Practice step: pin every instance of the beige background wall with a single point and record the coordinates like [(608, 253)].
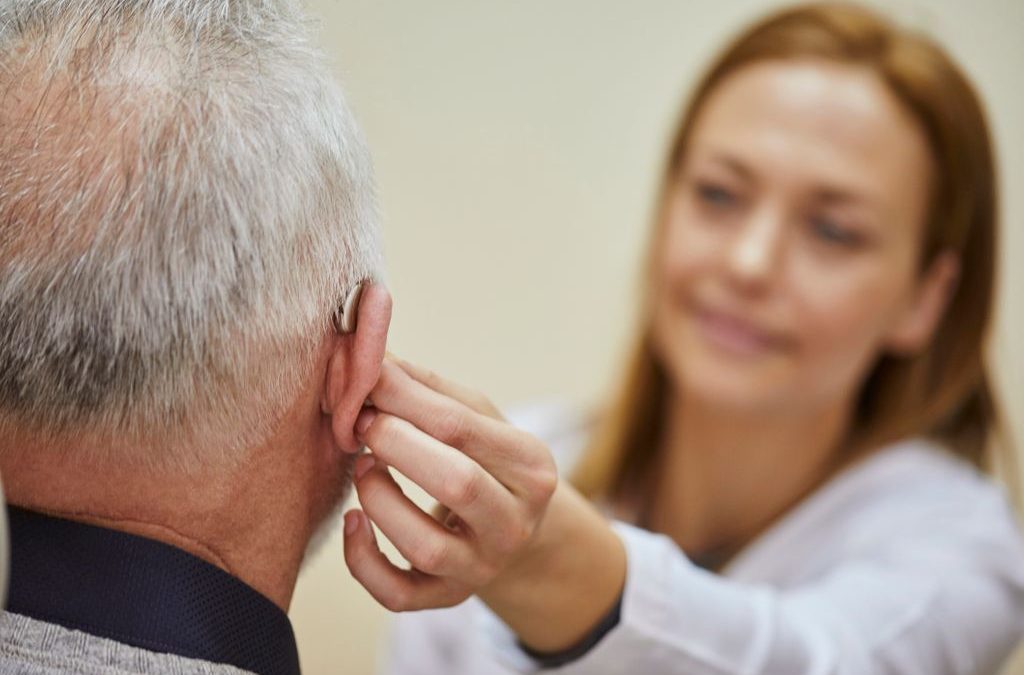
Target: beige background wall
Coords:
[(517, 145)]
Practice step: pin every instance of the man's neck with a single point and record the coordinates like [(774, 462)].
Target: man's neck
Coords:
[(725, 476), (253, 519)]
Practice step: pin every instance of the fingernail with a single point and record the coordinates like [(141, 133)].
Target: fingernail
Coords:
[(364, 420), (351, 522), (363, 464)]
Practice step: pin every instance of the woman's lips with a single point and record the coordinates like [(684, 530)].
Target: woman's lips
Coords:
[(733, 334)]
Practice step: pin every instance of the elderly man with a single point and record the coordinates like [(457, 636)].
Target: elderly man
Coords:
[(184, 202)]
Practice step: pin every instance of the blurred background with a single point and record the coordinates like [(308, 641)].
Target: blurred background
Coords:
[(517, 147)]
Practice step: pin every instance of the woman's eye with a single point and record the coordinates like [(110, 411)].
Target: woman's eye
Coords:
[(716, 195), (831, 232)]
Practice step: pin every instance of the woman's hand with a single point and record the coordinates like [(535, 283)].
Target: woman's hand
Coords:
[(541, 556), (493, 481)]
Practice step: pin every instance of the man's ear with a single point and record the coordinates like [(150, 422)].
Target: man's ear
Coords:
[(921, 318), (354, 366)]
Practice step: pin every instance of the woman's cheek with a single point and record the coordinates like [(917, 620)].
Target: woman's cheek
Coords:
[(688, 251), (842, 328)]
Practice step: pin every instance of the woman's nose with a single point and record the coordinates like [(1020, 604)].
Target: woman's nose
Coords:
[(756, 250)]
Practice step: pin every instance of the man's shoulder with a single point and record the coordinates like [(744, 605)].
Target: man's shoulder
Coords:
[(32, 647)]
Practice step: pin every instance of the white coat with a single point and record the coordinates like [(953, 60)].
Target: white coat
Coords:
[(908, 562)]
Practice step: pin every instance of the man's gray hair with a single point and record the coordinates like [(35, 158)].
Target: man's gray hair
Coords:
[(184, 198)]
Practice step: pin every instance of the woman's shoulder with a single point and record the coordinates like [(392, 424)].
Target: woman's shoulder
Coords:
[(910, 501), (916, 482), (918, 472), (920, 483)]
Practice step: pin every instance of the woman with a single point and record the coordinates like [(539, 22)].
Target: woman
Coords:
[(792, 460)]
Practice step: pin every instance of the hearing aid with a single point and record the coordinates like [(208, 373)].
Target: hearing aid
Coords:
[(344, 317), (344, 321)]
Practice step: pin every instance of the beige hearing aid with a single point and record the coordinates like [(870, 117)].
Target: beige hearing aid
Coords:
[(345, 316)]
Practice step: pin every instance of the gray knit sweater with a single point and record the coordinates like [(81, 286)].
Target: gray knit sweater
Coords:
[(30, 647)]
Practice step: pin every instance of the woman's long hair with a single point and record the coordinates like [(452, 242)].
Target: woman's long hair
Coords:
[(943, 393)]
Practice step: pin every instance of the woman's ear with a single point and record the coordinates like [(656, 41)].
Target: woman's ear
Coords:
[(921, 318), (354, 367)]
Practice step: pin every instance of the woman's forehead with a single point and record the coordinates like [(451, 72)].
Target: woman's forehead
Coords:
[(839, 118)]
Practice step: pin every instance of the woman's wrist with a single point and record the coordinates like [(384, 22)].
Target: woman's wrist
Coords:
[(565, 656), (566, 581)]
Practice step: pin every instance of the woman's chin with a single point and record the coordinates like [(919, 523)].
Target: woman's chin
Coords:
[(727, 375), (747, 389)]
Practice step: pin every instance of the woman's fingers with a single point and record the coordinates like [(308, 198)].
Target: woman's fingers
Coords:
[(428, 378), (444, 473), (427, 544), (396, 589), (495, 480), (514, 458)]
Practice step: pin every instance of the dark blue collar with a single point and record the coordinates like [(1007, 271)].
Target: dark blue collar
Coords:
[(143, 593)]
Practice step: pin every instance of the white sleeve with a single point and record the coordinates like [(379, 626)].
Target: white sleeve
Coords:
[(424, 642), (901, 612)]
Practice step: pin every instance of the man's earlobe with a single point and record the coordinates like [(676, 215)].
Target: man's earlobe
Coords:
[(354, 367)]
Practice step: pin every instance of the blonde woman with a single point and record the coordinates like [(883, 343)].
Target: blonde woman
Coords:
[(790, 476)]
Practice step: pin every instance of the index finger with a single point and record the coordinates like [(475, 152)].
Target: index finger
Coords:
[(464, 395), (512, 456)]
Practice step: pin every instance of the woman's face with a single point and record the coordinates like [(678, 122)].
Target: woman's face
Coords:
[(789, 257)]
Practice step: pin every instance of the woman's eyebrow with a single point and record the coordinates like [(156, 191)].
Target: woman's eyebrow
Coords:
[(726, 161), (826, 193), (732, 163), (833, 195)]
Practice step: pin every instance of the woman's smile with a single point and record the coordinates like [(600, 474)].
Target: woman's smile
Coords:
[(735, 334)]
